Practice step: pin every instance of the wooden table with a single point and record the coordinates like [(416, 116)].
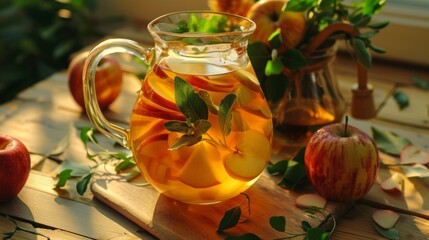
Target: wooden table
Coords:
[(46, 118)]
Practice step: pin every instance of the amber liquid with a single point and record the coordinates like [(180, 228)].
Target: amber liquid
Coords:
[(218, 167), (301, 119)]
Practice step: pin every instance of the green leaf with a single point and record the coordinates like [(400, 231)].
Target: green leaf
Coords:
[(230, 218), (185, 140), (278, 223), (368, 35), (188, 102), (315, 234), (275, 39), (201, 126), (299, 157), (389, 142), (275, 87), (277, 168), (63, 177), (420, 82), (246, 236), (391, 233), (305, 226), (294, 175), (86, 134), (379, 25), (293, 59), (83, 183), (124, 165), (177, 126), (362, 54), (259, 54), (273, 67), (299, 5), (376, 49), (225, 115), (213, 108), (370, 6), (401, 99)]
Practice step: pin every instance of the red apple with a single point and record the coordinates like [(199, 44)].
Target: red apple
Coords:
[(14, 167), (108, 80), (269, 16), (341, 162)]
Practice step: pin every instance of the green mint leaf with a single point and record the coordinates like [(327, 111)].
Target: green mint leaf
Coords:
[(278, 223), (315, 234), (305, 226), (63, 177), (362, 54), (186, 140), (299, 157), (246, 236), (225, 115), (275, 39), (201, 126), (368, 35), (213, 108), (259, 54), (273, 67), (230, 218), (379, 25), (294, 175), (391, 233), (294, 59), (299, 5), (177, 126), (277, 168), (188, 102), (420, 83), (83, 183), (370, 6), (401, 99), (86, 134), (124, 165), (376, 49), (275, 87), (389, 142)]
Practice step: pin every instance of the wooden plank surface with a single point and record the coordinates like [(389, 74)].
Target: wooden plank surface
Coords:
[(169, 219)]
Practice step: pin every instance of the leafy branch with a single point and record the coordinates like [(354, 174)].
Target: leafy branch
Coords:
[(16, 228), (196, 107), (121, 160)]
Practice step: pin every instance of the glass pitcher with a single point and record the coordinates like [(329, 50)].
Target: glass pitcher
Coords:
[(200, 129)]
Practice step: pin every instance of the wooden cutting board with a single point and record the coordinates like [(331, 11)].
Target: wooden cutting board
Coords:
[(168, 219)]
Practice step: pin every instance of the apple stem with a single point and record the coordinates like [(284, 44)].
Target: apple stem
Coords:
[(345, 126)]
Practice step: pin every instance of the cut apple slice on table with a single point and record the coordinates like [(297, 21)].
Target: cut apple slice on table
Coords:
[(412, 154), (250, 155), (310, 200), (385, 218), (203, 168), (394, 184)]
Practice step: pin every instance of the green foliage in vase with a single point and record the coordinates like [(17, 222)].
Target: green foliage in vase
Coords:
[(350, 21)]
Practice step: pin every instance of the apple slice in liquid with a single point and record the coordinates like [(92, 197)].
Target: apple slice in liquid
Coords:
[(160, 90), (202, 169), (250, 155)]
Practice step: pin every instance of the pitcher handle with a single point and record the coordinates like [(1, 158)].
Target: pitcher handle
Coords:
[(118, 45)]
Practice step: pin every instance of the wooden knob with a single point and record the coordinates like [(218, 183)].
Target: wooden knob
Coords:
[(363, 106)]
